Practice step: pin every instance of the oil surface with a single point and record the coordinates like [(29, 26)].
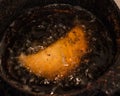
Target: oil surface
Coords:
[(40, 29), (60, 58)]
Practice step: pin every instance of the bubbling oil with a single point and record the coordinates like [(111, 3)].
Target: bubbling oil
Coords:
[(55, 49), (60, 58)]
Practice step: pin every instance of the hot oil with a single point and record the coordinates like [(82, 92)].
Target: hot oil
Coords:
[(56, 49), (59, 58)]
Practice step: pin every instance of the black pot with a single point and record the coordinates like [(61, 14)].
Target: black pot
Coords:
[(105, 10)]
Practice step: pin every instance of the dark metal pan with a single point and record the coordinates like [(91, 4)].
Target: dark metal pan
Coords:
[(104, 83)]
